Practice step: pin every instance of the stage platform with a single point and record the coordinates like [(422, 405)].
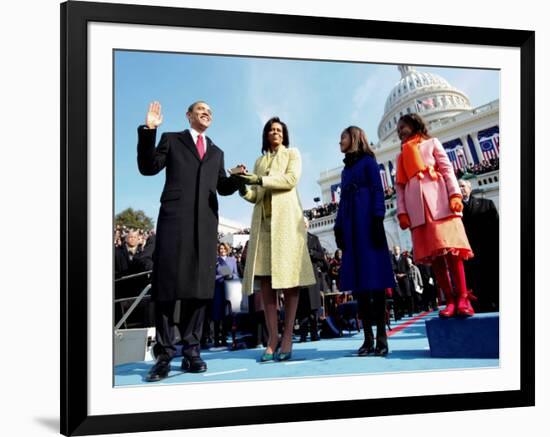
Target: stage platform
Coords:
[(409, 352)]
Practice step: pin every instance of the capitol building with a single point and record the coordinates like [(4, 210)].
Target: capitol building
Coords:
[(469, 135)]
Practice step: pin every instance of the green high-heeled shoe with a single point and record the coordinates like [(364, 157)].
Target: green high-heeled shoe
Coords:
[(284, 356), (267, 357)]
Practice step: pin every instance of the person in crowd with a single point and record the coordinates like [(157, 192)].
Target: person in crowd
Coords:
[(481, 221), (417, 286), (404, 293), (310, 297), (185, 255), (240, 265), (429, 202), (431, 291), (359, 233), (226, 268), (334, 269), (131, 257), (277, 253), (398, 301), (118, 238)]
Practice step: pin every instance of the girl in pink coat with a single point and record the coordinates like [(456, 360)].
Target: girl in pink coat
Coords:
[(429, 202)]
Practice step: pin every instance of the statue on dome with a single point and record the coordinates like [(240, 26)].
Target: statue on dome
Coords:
[(405, 69)]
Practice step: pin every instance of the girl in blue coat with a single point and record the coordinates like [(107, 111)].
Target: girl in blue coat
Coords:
[(359, 230)]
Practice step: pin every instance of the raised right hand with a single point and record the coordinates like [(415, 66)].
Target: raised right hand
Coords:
[(154, 116)]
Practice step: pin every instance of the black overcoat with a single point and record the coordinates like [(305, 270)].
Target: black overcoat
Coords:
[(481, 222), (310, 297), (187, 225)]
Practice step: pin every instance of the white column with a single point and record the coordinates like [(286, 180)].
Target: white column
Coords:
[(467, 151), (477, 146), (388, 174)]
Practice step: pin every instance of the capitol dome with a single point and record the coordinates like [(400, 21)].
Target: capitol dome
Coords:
[(424, 93)]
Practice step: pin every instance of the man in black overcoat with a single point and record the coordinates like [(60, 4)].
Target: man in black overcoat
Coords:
[(310, 297), (404, 297), (185, 253), (481, 222)]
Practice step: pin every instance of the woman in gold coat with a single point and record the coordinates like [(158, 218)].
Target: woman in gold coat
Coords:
[(277, 253)]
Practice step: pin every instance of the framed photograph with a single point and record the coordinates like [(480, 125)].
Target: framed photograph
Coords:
[(473, 87)]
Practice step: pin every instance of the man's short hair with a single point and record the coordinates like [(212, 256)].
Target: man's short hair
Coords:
[(192, 105)]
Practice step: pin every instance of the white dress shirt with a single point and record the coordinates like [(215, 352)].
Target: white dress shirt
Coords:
[(195, 136)]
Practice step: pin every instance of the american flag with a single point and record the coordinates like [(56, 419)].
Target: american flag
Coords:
[(489, 147), (425, 104), (335, 193), (457, 158)]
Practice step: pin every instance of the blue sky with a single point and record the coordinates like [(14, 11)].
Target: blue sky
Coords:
[(317, 100)]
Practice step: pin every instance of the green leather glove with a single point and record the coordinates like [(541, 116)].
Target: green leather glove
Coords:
[(250, 179)]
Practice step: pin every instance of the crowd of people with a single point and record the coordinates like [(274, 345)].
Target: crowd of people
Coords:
[(416, 287), (245, 231), (477, 169), (133, 256), (321, 211)]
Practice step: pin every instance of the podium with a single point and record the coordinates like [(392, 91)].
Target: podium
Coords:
[(472, 337)]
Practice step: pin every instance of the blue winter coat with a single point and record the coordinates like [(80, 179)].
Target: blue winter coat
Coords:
[(364, 267)]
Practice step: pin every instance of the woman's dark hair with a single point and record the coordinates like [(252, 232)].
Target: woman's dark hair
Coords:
[(265, 140), (416, 122), (359, 141), (226, 246)]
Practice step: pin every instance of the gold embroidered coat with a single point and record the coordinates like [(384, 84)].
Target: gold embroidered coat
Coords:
[(290, 262)]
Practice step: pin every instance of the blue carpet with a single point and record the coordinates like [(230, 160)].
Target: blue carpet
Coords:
[(409, 352)]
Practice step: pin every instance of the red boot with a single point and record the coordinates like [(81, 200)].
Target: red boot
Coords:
[(449, 310), (464, 306), (442, 276)]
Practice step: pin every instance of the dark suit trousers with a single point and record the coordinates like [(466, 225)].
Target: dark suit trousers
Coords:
[(190, 323)]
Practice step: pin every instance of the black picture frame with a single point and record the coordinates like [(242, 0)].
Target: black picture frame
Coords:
[(75, 17)]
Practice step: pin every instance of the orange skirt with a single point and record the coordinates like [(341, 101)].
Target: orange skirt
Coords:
[(439, 237)]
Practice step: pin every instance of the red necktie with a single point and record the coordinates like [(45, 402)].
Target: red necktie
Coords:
[(200, 146)]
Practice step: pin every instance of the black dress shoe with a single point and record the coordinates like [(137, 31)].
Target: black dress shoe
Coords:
[(365, 350), (381, 352), (159, 371), (193, 364)]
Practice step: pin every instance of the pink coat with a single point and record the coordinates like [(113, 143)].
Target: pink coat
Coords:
[(436, 193)]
